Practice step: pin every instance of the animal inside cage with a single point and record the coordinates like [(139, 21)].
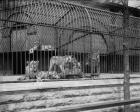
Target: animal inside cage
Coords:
[(34, 31)]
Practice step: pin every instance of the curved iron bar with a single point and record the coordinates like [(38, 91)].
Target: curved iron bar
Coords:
[(68, 5), (96, 31), (11, 28), (16, 13), (73, 32)]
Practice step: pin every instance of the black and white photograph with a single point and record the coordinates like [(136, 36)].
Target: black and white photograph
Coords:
[(69, 55)]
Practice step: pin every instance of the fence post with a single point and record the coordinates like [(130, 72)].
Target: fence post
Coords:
[(126, 56)]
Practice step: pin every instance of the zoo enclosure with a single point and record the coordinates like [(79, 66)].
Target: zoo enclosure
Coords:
[(38, 30)]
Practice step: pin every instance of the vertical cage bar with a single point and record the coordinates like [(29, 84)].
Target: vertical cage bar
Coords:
[(91, 41)]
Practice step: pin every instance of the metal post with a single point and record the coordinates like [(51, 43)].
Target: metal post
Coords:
[(126, 57), (91, 42), (56, 44)]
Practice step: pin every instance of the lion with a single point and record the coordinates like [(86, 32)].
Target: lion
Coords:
[(65, 65), (59, 61)]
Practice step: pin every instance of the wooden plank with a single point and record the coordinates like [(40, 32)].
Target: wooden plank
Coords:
[(13, 79), (57, 84), (54, 80), (8, 99), (61, 102), (97, 106), (87, 107), (57, 89), (62, 89), (60, 94), (19, 88)]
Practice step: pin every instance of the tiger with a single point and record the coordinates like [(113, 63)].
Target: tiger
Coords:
[(31, 70)]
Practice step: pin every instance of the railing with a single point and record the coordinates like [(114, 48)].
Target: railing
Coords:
[(98, 106)]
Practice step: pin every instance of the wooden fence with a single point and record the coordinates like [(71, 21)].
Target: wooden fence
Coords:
[(67, 94)]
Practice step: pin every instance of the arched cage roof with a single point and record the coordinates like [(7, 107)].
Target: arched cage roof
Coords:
[(56, 13), (68, 16)]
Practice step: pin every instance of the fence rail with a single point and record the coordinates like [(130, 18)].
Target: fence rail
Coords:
[(98, 106)]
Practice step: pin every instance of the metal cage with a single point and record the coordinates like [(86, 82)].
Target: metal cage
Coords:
[(38, 30)]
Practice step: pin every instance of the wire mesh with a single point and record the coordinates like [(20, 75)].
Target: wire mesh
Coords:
[(32, 31)]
